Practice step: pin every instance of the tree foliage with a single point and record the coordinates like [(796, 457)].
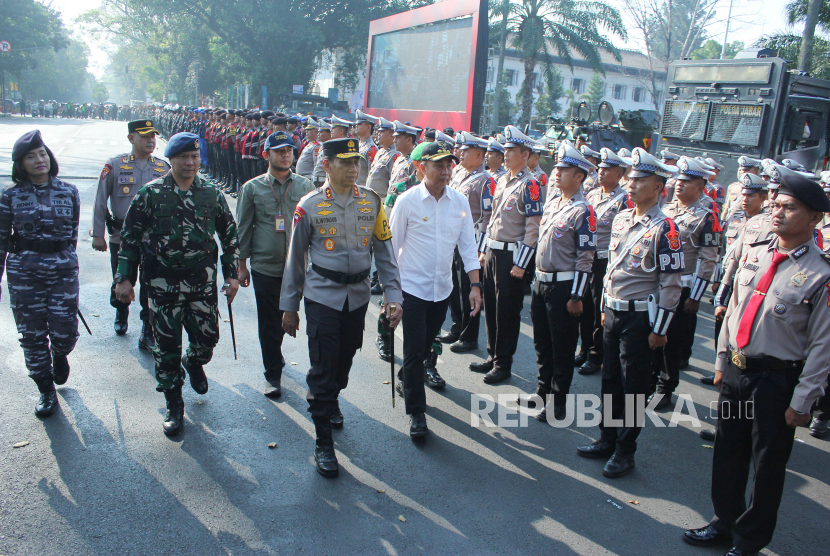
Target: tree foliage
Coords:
[(33, 29), (60, 75), (548, 103), (596, 92), (711, 50), (788, 47)]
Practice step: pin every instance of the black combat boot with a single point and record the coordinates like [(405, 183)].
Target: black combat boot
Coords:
[(384, 349), (60, 366), (122, 317), (324, 455), (336, 417), (146, 341), (174, 418), (198, 379), (48, 398)]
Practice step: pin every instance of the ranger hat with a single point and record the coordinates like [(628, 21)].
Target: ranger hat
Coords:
[(27, 142), (277, 140), (403, 129), (470, 141), (750, 183), (494, 146), (644, 165), (747, 162), (568, 156), (341, 148), (805, 190), (383, 123), (610, 159), (142, 127), (438, 150), (340, 122), (691, 169), (588, 152), (515, 138), (181, 143), (666, 154)]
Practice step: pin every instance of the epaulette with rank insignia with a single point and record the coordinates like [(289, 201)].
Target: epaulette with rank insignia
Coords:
[(826, 257), (761, 242)]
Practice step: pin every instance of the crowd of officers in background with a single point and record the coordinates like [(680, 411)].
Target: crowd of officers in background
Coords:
[(84, 110)]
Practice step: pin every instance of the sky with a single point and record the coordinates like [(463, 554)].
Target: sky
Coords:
[(750, 20)]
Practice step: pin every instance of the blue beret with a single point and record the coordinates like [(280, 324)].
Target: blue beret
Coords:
[(181, 143), (27, 142)]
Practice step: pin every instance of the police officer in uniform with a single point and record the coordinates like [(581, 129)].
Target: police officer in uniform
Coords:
[(746, 165), (406, 137), (608, 199), (337, 227), (380, 172), (495, 159), (533, 165), (180, 214), (642, 288), (364, 128), (565, 254), (669, 159), (700, 234), (39, 217), (319, 174), (311, 151), (772, 352), (505, 252), (594, 158), (121, 178)]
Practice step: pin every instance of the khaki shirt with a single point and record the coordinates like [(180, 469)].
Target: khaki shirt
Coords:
[(402, 168), (606, 206), (478, 187), (517, 209), (567, 238), (671, 183), (652, 266), (308, 159), (699, 240), (381, 171), (793, 321), (498, 172), (120, 180), (264, 204), (733, 199), (591, 182), (824, 233), (757, 228), (368, 151), (339, 238)]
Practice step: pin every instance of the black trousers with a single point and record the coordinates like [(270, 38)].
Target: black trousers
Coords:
[(422, 321), (333, 339), (503, 299), (751, 434), (555, 333), (269, 322), (463, 324), (596, 351), (679, 337), (625, 370), (143, 291)]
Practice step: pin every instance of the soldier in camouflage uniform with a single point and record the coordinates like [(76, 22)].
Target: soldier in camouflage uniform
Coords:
[(39, 218), (180, 214)]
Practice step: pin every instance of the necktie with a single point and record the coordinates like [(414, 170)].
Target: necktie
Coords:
[(745, 328)]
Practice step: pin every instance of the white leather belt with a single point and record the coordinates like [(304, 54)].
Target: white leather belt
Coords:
[(686, 281), (501, 245), (622, 305), (602, 254), (554, 276)]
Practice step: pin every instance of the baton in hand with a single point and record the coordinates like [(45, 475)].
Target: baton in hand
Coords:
[(230, 317), (83, 320), (392, 350)]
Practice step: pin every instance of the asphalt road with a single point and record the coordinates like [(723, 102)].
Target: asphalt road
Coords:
[(99, 477)]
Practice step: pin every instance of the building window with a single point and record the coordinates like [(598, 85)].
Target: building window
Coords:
[(489, 74), (638, 94), (511, 78), (536, 83), (619, 92), (578, 85)]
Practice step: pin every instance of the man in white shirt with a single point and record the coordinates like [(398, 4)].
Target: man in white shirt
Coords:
[(428, 223)]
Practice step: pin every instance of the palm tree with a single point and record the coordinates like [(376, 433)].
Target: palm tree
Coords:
[(542, 28)]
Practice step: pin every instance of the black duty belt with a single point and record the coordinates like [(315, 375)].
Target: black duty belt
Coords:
[(762, 362), (42, 246), (160, 271), (113, 223), (341, 277)]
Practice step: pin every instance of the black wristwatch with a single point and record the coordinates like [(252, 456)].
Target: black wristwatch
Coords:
[(475, 285), (575, 298), (118, 278)]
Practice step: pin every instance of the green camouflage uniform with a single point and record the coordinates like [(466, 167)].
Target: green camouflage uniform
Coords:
[(181, 265)]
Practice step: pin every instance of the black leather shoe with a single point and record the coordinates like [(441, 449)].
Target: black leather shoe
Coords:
[(462, 347), (706, 536), (589, 368), (418, 425), (526, 399), (273, 392), (497, 375), (146, 341), (684, 364), (324, 455), (482, 366), (707, 434), (198, 380), (664, 402), (818, 428), (383, 348), (597, 449), (738, 552), (448, 338), (174, 418), (618, 466), (48, 400), (336, 418), (708, 380), (122, 317), (60, 369), (433, 379), (580, 358)]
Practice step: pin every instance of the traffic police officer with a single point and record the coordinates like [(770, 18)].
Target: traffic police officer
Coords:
[(594, 158), (380, 172), (311, 151), (319, 174), (406, 137), (505, 251), (336, 228), (746, 165), (565, 254), (669, 159), (180, 214), (495, 159), (121, 178), (642, 288), (364, 128), (39, 218), (772, 357)]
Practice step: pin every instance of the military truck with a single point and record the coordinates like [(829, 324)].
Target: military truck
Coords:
[(753, 105)]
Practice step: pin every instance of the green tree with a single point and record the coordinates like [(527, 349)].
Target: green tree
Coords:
[(32, 29), (788, 46), (596, 92), (99, 91), (541, 28), (711, 50), (60, 75), (548, 103)]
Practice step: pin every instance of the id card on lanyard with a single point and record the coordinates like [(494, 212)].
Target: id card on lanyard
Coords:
[(279, 219)]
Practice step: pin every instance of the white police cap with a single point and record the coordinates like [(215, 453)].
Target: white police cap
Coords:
[(776, 172), (324, 125), (515, 138), (569, 156), (403, 129), (470, 141), (441, 136), (747, 162), (644, 165), (750, 183), (361, 116), (714, 163), (340, 122), (610, 159), (666, 154), (793, 165), (625, 153), (588, 151), (692, 168), (495, 147)]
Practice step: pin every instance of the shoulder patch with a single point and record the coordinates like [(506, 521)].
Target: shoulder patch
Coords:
[(826, 257)]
